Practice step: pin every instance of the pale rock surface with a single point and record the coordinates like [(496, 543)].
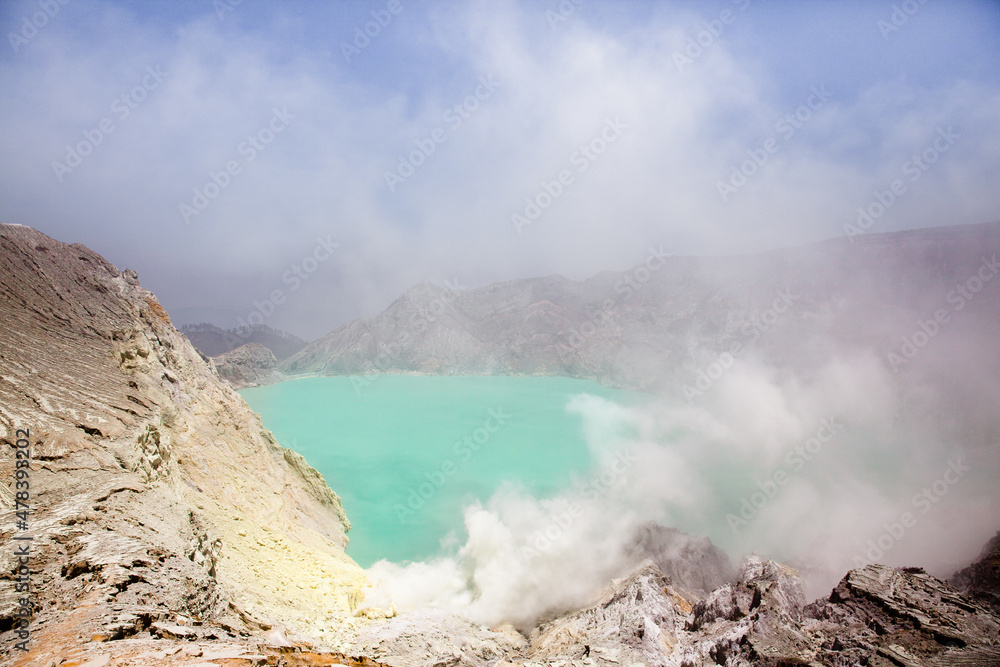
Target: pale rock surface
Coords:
[(249, 365), (156, 492), (636, 620)]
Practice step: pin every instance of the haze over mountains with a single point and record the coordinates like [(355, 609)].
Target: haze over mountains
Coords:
[(668, 325), (213, 341)]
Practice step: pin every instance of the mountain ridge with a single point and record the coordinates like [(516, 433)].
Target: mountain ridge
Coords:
[(626, 328)]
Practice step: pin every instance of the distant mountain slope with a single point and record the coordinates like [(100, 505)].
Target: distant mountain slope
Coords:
[(249, 365), (212, 341), (665, 324)]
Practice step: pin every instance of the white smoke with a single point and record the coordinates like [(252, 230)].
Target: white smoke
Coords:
[(806, 468)]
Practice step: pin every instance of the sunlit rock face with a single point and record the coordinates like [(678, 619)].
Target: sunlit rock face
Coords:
[(876, 616), (157, 493)]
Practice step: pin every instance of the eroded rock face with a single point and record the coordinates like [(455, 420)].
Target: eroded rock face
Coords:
[(250, 365), (876, 616), (903, 616), (756, 620), (157, 495), (637, 620)]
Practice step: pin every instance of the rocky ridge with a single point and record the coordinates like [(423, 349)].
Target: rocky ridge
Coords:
[(981, 580), (213, 341), (876, 616), (655, 326), (157, 495)]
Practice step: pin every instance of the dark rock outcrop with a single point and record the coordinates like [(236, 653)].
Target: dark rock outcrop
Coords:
[(882, 615), (981, 580)]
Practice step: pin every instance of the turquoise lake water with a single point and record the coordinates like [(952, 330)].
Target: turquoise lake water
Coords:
[(407, 453)]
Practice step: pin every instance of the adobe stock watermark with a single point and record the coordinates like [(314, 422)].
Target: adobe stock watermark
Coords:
[(30, 25), (463, 450), (899, 17), (249, 149), (581, 159), (633, 281), (592, 490), (454, 117), (122, 107), (915, 167), (363, 35), (786, 127), (293, 277), (562, 13), (760, 323), (706, 38), (420, 322), (929, 328), (924, 501), (224, 7), (796, 459)]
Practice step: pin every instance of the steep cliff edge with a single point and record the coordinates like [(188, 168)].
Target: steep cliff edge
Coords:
[(157, 496)]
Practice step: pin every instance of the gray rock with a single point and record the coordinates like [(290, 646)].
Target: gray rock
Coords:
[(905, 616), (250, 365), (636, 620), (694, 565), (427, 638), (981, 580)]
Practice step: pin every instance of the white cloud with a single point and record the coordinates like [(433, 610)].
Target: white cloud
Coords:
[(325, 174)]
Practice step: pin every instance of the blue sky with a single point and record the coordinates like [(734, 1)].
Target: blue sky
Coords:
[(209, 79)]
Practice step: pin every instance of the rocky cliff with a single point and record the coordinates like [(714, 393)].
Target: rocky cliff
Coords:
[(877, 616), (157, 498)]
